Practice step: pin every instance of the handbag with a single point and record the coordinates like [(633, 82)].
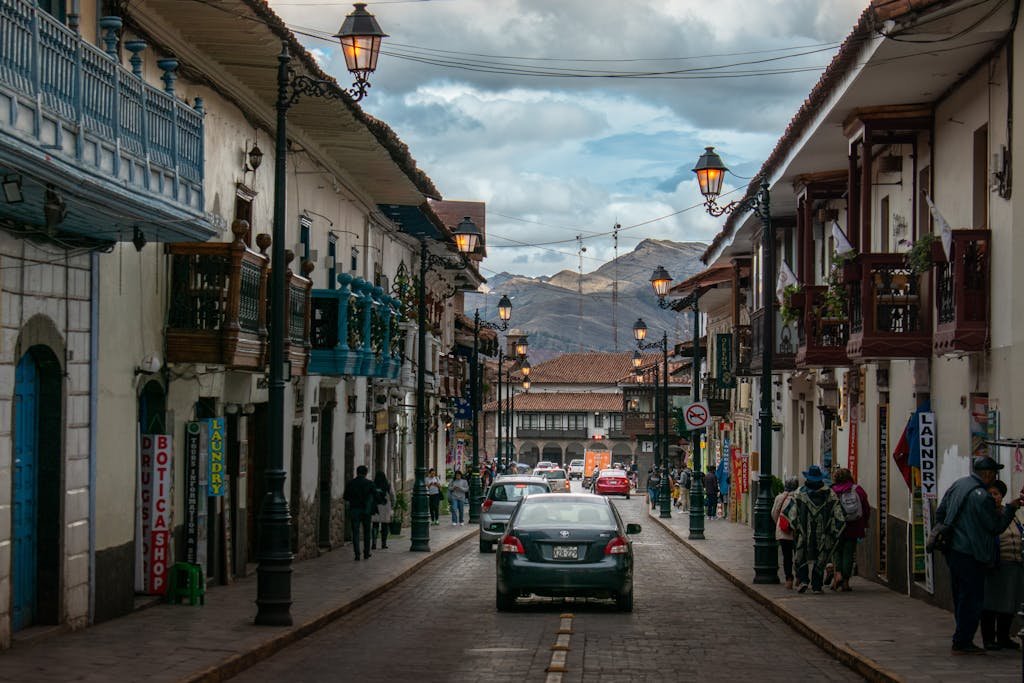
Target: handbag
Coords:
[(938, 539)]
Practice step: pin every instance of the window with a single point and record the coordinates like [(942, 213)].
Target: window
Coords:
[(576, 421), (332, 266), (529, 421), (615, 422), (980, 194), (305, 225), (243, 209), (924, 215), (599, 419), (57, 8), (884, 244), (552, 421)]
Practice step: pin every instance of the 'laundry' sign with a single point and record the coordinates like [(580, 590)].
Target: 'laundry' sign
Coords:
[(927, 442), (218, 463)]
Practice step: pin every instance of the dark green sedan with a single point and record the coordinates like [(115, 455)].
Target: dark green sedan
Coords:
[(566, 545)]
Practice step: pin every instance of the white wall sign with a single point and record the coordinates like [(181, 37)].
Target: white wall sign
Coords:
[(929, 469)]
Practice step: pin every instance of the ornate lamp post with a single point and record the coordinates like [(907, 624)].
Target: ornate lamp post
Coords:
[(710, 173), (660, 414), (466, 237), (504, 313), (274, 572)]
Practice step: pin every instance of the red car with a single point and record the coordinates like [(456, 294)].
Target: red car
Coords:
[(612, 483)]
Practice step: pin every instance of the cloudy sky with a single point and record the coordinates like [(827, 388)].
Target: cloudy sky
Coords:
[(510, 102)]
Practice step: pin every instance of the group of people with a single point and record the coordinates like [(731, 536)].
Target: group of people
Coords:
[(680, 480), (370, 508)]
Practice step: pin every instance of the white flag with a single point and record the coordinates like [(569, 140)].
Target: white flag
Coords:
[(946, 231), (786, 278), (843, 245)]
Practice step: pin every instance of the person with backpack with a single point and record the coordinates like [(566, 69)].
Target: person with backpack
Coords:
[(818, 520), (854, 502), (783, 531), (384, 496)]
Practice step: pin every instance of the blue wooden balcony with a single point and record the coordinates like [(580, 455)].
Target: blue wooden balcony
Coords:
[(93, 146)]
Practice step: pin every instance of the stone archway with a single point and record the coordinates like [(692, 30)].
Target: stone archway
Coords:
[(529, 453), (622, 453), (551, 451), (574, 451)]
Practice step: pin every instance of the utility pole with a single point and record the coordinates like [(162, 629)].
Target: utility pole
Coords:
[(615, 290)]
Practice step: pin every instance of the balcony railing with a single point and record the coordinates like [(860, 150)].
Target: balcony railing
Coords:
[(297, 315), (216, 315), (888, 316), (785, 342), (962, 287), (822, 335)]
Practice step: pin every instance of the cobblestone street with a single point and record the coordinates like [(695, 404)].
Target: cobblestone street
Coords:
[(441, 624)]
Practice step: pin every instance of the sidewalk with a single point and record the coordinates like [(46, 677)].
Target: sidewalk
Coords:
[(880, 634), (212, 642)]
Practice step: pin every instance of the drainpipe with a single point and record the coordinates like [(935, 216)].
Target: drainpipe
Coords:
[(94, 326)]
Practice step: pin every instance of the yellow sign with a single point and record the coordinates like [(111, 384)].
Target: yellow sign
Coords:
[(380, 424)]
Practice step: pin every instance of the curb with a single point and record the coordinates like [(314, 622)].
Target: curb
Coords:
[(234, 665), (860, 664)]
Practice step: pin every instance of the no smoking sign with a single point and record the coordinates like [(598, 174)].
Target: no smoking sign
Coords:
[(697, 415)]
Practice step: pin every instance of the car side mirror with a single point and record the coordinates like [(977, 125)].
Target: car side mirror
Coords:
[(632, 528)]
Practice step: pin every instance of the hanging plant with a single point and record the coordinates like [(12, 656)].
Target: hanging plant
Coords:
[(790, 313), (834, 305), (919, 256)]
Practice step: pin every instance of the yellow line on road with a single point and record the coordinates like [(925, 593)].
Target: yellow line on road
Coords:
[(560, 650)]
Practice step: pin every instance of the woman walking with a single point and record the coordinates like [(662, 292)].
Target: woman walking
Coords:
[(854, 502), (434, 496), (1004, 585), (458, 495), (783, 531), (818, 521), (385, 495)]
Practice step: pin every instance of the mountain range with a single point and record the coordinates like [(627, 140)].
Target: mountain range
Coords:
[(549, 307)]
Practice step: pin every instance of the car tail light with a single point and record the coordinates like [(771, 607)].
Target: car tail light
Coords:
[(616, 546), (511, 544), (487, 504)]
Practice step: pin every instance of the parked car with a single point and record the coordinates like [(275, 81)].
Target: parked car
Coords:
[(576, 468), (612, 483), (502, 497), (556, 478), (565, 544), (545, 465)]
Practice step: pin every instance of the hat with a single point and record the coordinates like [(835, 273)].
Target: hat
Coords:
[(986, 463), (814, 473)]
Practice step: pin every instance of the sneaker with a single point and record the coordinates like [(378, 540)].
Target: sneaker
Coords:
[(968, 649), (801, 588)]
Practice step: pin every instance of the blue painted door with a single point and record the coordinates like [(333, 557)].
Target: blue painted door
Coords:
[(26, 465)]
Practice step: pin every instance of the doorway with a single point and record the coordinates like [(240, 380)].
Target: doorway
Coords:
[(257, 424), (325, 470)]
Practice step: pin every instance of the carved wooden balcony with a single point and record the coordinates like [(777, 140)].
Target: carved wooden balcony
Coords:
[(744, 340), (638, 424), (889, 318), (962, 293), (785, 342), (216, 314), (822, 336)]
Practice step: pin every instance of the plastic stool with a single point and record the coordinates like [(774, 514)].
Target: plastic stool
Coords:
[(186, 583)]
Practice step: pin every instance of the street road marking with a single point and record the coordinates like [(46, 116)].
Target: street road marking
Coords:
[(560, 650)]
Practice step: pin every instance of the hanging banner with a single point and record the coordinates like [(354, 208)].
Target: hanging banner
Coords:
[(929, 470), (726, 379), (218, 462), (852, 456), (193, 443)]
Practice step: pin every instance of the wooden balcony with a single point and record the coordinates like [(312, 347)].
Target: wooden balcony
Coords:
[(216, 314), (962, 291), (785, 342), (638, 424), (889, 318), (743, 340), (822, 338), (297, 301)]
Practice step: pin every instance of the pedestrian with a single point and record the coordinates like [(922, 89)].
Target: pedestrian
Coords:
[(783, 530), (711, 492), (434, 496), (653, 486), (857, 512), (360, 504), (385, 498), (1004, 584), (970, 521), (677, 493), (458, 496), (817, 520), (685, 481)]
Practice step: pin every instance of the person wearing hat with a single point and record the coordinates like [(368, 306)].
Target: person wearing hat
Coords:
[(974, 522), (817, 519)]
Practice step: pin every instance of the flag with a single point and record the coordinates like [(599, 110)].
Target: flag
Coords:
[(786, 278), (907, 453), (946, 231), (843, 245)]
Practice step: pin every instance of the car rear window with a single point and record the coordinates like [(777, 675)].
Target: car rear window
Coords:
[(613, 473), (515, 491), (575, 463), (554, 474), (564, 513)]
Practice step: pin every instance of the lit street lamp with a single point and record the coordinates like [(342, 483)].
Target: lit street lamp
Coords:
[(660, 415), (504, 313), (710, 173), (274, 572)]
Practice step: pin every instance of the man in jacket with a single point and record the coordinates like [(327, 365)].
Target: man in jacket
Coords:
[(359, 495), (970, 512), (711, 492)]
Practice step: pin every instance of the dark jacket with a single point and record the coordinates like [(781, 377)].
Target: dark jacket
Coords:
[(970, 510), (359, 494), (711, 484)]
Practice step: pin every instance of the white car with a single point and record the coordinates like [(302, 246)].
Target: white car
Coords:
[(545, 465), (576, 469)]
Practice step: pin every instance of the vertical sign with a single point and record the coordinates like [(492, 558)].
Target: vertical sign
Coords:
[(929, 486), (218, 463), (157, 470), (726, 379), (192, 492), (883, 487), (145, 502), (852, 458)]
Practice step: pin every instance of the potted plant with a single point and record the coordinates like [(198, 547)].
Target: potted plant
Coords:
[(398, 513), (835, 294), (792, 307), (921, 256)]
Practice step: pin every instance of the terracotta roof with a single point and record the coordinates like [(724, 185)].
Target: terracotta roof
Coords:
[(887, 9), (563, 401), (584, 368)]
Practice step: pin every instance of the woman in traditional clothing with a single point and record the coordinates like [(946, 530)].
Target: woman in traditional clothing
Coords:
[(817, 520), (1004, 583)]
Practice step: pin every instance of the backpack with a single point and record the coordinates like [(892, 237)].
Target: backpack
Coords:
[(850, 502), (380, 497), (686, 481)]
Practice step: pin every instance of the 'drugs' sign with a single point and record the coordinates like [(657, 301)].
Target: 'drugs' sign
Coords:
[(156, 488)]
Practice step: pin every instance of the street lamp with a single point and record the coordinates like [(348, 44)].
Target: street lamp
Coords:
[(504, 313), (710, 173), (660, 416), (466, 235), (274, 572)]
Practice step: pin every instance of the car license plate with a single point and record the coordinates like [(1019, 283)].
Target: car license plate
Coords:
[(565, 552)]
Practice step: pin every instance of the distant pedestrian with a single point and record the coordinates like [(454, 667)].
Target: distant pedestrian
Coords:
[(458, 496), (783, 530), (653, 486), (685, 482), (969, 511), (434, 496), (857, 512), (385, 495), (1004, 584), (361, 504), (817, 520), (711, 492)]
